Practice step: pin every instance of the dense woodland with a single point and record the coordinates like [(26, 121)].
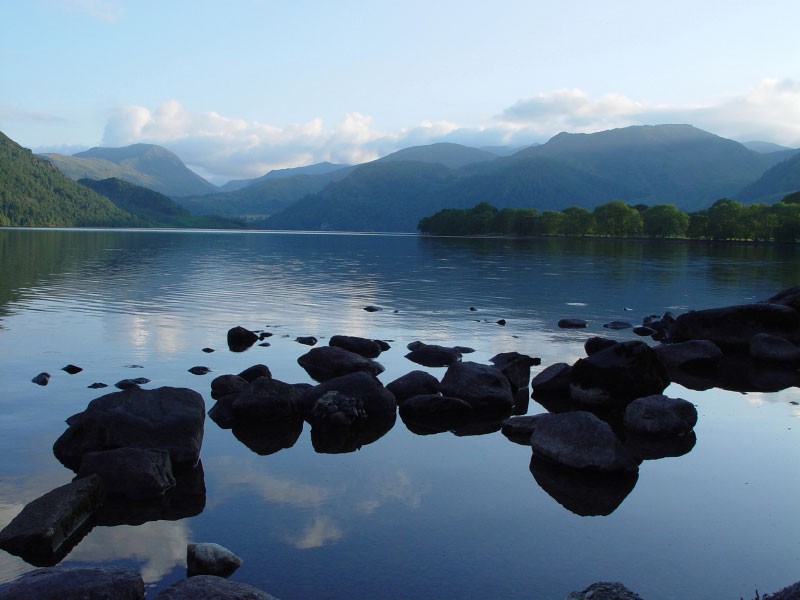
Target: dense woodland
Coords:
[(725, 220)]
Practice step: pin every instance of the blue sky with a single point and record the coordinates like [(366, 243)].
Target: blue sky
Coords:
[(239, 87)]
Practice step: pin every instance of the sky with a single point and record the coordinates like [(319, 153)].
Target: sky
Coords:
[(238, 87)]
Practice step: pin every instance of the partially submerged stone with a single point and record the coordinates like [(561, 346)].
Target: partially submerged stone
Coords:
[(484, 388), (552, 382), (211, 559), (361, 346), (306, 340), (135, 473), (433, 355), (415, 383), (376, 399), (770, 348), (516, 367), (212, 587), (41, 379), (594, 344), (519, 429), (76, 583), (72, 369), (199, 370), (572, 324), (240, 339), (436, 412), (692, 355), (328, 362), (660, 415)]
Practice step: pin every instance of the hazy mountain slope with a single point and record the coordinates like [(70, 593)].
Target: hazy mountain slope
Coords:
[(33, 193), (142, 164), (764, 147), (263, 198), (778, 181), (315, 169), (452, 156)]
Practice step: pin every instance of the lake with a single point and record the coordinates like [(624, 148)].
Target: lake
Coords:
[(408, 516)]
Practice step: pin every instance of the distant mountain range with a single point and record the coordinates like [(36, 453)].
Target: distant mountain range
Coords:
[(316, 169), (775, 183)]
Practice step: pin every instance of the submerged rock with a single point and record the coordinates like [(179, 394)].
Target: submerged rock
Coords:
[(329, 362), (131, 472), (97, 386), (240, 339), (126, 384), (199, 370), (371, 308), (211, 559), (572, 324), (212, 587), (617, 325), (376, 399), (208, 350), (358, 345), (484, 388), (76, 583)]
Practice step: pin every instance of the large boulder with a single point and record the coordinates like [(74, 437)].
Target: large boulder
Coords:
[(76, 583), (661, 416), (225, 385), (415, 383), (329, 362), (211, 559), (484, 388), (519, 429), (211, 587), (250, 374), (692, 355), (52, 522), (734, 326), (436, 412), (166, 418), (594, 344), (375, 399), (788, 297), (580, 440), (431, 355), (552, 382), (773, 349), (135, 473), (516, 367), (240, 339), (268, 437), (334, 410), (266, 400), (613, 377), (358, 345)]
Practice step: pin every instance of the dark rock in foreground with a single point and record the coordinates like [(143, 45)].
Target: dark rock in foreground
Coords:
[(44, 527), (791, 592), (76, 583), (604, 590), (660, 416), (358, 345), (41, 379), (694, 354), (436, 412), (594, 344), (572, 324), (211, 559), (772, 349), (484, 388), (165, 418), (250, 374), (240, 339), (376, 399), (431, 355), (415, 383), (552, 382), (336, 410), (329, 362), (519, 429), (516, 367), (210, 587), (580, 440), (132, 472)]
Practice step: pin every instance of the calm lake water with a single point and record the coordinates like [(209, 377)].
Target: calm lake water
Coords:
[(408, 516)]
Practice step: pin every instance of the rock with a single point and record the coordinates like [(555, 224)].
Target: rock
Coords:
[(694, 354), (338, 440), (661, 416), (770, 348), (788, 297), (41, 379), (616, 325), (97, 386), (519, 429), (308, 340), (240, 339), (501, 321), (604, 590), (481, 424), (208, 350), (572, 324), (580, 440), (71, 369), (361, 346), (415, 383), (264, 335), (734, 326), (131, 472), (371, 308), (199, 370), (210, 587), (336, 410), (431, 355), (552, 382), (126, 384), (644, 331), (76, 583), (617, 375), (211, 559), (649, 447), (384, 346), (464, 349), (329, 362), (225, 385), (134, 366), (739, 373), (484, 388), (266, 400), (516, 367), (165, 418), (435, 411), (45, 525), (583, 492), (250, 374), (267, 437), (375, 398), (264, 344), (594, 344), (472, 309)]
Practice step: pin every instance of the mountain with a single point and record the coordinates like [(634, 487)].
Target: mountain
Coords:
[(452, 156), (315, 169), (505, 150), (154, 209), (147, 165), (33, 193), (780, 180), (764, 147)]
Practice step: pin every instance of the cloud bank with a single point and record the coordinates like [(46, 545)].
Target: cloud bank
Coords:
[(222, 147)]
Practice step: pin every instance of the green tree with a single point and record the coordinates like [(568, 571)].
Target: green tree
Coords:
[(576, 222), (698, 225), (725, 220), (550, 222), (617, 219), (665, 220)]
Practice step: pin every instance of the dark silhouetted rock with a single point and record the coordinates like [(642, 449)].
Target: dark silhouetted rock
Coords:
[(649, 447), (415, 383), (307, 340), (615, 376), (41, 379), (644, 331), (552, 382), (661, 416), (210, 587), (734, 326), (240, 339), (376, 399), (384, 346), (334, 410), (72, 369), (267, 437), (264, 345), (225, 385), (264, 335), (211, 559), (583, 492), (522, 399), (338, 440), (604, 590), (431, 355), (594, 344), (464, 349), (250, 374), (484, 388), (739, 373), (199, 370), (501, 321), (472, 309), (617, 325), (371, 308), (773, 349), (436, 411), (131, 472), (788, 297), (45, 525), (516, 367), (97, 386), (266, 400), (580, 440), (76, 583), (165, 418), (481, 424), (694, 354), (134, 367), (519, 429), (126, 384), (572, 324), (208, 350), (329, 362), (358, 345)]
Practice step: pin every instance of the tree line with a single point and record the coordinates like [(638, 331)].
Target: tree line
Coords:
[(726, 219)]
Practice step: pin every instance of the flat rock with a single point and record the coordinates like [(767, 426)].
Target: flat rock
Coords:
[(519, 429), (97, 385), (135, 473), (165, 418), (329, 362), (211, 559), (773, 349), (208, 350), (45, 524), (432, 355), (484, 388), (415, 383), (604, 590), (76, 583), (580, 440), (660, 416), (210, 587), (371, 308), (572, 324), (240, 339), (358, 345), (126, 384)]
